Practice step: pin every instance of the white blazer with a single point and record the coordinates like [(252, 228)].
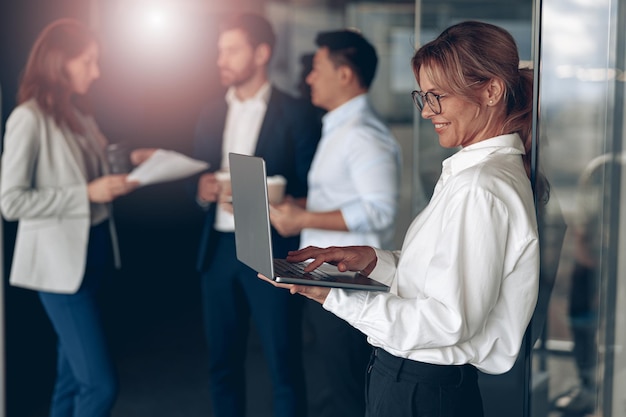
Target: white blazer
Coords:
[(43, 185)]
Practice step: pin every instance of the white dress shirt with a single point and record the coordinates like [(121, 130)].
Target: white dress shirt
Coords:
[(241, 134), (464, 285), (356, 169)]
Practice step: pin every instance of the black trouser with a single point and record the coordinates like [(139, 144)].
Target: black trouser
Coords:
[(231, 295), (344, 353), (404, 388), (584, 321)]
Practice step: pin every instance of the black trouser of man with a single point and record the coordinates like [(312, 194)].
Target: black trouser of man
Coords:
[(231, 294), (344, 355)]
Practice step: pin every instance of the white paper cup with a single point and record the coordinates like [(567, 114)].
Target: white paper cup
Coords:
[(276, 189), (223, 177)]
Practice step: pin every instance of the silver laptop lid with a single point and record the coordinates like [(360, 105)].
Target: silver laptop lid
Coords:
[(253, 232), (251, 209)]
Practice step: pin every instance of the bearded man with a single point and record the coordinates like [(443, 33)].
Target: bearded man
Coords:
[(254, 118)]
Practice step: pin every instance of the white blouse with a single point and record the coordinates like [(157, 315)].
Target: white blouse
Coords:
[(464, 285)]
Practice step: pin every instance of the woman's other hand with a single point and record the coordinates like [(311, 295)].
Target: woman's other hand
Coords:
[(315, 293)]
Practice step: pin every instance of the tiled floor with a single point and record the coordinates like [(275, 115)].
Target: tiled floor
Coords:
[(162, 366), (162, 369), (165, 375)]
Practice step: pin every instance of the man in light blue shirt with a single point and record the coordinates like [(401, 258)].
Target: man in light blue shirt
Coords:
[(352, 198)]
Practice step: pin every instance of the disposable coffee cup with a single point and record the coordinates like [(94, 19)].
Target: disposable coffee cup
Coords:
[(276, 189), (223, 177), (118, 158)]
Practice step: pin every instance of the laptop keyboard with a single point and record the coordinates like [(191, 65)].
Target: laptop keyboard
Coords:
[(285, 268)]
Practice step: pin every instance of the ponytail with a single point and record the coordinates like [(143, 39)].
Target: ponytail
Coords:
[(520, 111)]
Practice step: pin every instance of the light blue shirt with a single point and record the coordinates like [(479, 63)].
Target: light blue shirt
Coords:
[(356, 169)]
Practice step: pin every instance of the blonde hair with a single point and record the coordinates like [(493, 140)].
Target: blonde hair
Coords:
[(469, 53)]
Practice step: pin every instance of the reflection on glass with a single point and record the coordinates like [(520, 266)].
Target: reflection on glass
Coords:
[(573, 142), (589, 230)]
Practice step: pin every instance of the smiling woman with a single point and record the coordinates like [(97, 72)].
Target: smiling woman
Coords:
[(492, 99), (465, 284)]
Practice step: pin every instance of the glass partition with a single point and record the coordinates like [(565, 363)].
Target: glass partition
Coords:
[(581, 141)]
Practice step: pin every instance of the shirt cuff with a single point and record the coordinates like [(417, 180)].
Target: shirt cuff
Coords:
[(385, 269), (355, 217), (346, 304)]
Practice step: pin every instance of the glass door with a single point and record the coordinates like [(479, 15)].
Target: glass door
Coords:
[(581, 136)]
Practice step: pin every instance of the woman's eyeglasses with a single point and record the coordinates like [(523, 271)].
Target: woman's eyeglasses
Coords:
[(432, 99), (419, 97)]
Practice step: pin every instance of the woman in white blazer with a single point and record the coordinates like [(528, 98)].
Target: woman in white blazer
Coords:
[(55, 182)]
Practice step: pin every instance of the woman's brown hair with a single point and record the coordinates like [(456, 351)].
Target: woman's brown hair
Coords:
[(45, 78), (469, 53)]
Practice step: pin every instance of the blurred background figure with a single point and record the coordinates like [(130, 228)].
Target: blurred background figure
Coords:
[(254, 118), (590, 239), (353, 197), (304, 89), (55, 182)]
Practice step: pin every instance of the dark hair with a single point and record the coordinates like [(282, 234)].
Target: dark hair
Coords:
[(348, 47), (257, 29), (469, 53), (45, 78)]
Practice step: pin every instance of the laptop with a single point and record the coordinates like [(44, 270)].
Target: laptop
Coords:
[(254, 239)]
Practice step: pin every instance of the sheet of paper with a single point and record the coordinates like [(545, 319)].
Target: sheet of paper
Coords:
[(165, 165)]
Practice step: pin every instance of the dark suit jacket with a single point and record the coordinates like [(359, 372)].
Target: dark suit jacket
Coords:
[(287, 142)]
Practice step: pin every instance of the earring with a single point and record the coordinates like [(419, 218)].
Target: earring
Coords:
[(490, 101)]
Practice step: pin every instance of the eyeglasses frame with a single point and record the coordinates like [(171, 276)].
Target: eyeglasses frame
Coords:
[(424, 95)]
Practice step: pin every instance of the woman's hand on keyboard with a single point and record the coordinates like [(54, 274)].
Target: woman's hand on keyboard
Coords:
[(346, 258)]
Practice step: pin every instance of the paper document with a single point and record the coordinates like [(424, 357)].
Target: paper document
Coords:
[(165, 165)]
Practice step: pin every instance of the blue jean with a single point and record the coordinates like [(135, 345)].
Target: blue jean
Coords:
[(86, 383)]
